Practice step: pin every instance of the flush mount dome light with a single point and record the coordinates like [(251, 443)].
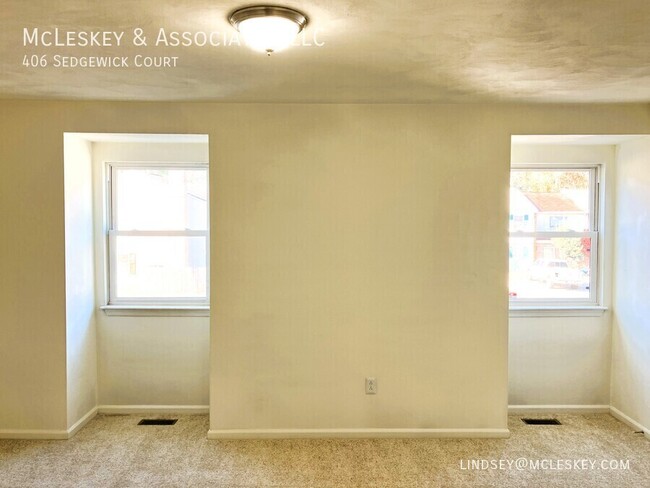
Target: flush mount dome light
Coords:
[(268, 28)]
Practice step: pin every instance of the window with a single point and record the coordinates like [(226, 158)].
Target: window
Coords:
[(158, 234), (554, 236)]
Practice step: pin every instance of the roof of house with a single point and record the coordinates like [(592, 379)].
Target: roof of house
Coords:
[(552, 202)]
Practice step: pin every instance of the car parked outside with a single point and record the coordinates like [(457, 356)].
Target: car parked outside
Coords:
[(557, 273)]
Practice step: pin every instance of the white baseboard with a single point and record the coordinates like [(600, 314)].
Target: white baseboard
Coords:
[(34, 434), (550, 409), (78, 425), (617, 414), (355, 433), (37, 434), (153, 409)]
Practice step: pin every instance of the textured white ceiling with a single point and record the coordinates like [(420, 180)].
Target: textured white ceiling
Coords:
[(374, 51), (574, 140)]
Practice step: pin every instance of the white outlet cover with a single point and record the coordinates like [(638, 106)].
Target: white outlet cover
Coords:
[(371, 386)]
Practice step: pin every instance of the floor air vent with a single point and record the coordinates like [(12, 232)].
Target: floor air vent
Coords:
[(157, 421), (542, 421)]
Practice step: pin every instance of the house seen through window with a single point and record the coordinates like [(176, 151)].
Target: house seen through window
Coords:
[(553, 236), (158, 234)]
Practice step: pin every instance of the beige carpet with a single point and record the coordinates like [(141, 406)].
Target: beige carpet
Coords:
[(112, 451)]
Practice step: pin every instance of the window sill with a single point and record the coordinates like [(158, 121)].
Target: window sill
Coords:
[(567, 311), (156, 311)]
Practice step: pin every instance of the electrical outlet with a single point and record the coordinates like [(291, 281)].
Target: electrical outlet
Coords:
[(371, 386)]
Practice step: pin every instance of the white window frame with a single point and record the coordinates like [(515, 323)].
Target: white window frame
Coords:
[(112, 234), (596, 268)]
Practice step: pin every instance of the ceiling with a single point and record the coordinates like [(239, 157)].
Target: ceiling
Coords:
[(384, 51), (574, 140)]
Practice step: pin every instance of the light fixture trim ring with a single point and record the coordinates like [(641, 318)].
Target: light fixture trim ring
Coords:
[(256, 11)]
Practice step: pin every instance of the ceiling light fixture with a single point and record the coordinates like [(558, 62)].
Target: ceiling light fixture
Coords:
[(268, 28)]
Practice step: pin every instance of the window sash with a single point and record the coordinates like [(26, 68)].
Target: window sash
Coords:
[(594, 185), (593, 273), (141, 165), (114, 299), (553, 234), (159, 233), (112, 234), (593, 233)]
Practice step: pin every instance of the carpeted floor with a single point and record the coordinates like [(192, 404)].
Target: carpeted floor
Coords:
[(112, 451)]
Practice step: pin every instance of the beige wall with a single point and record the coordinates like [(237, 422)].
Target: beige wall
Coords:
[(147, 360), (347, 241), (32, 280), (560, 361), (81, 332), (153, 360), (631, 332), (360, 241), (565, 360)]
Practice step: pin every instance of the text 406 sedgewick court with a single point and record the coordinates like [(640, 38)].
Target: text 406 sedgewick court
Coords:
[(63, 61)]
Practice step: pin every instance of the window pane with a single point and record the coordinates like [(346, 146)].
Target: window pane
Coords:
[(548, 201), (160, 199), (555, 268), (160, 267)]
